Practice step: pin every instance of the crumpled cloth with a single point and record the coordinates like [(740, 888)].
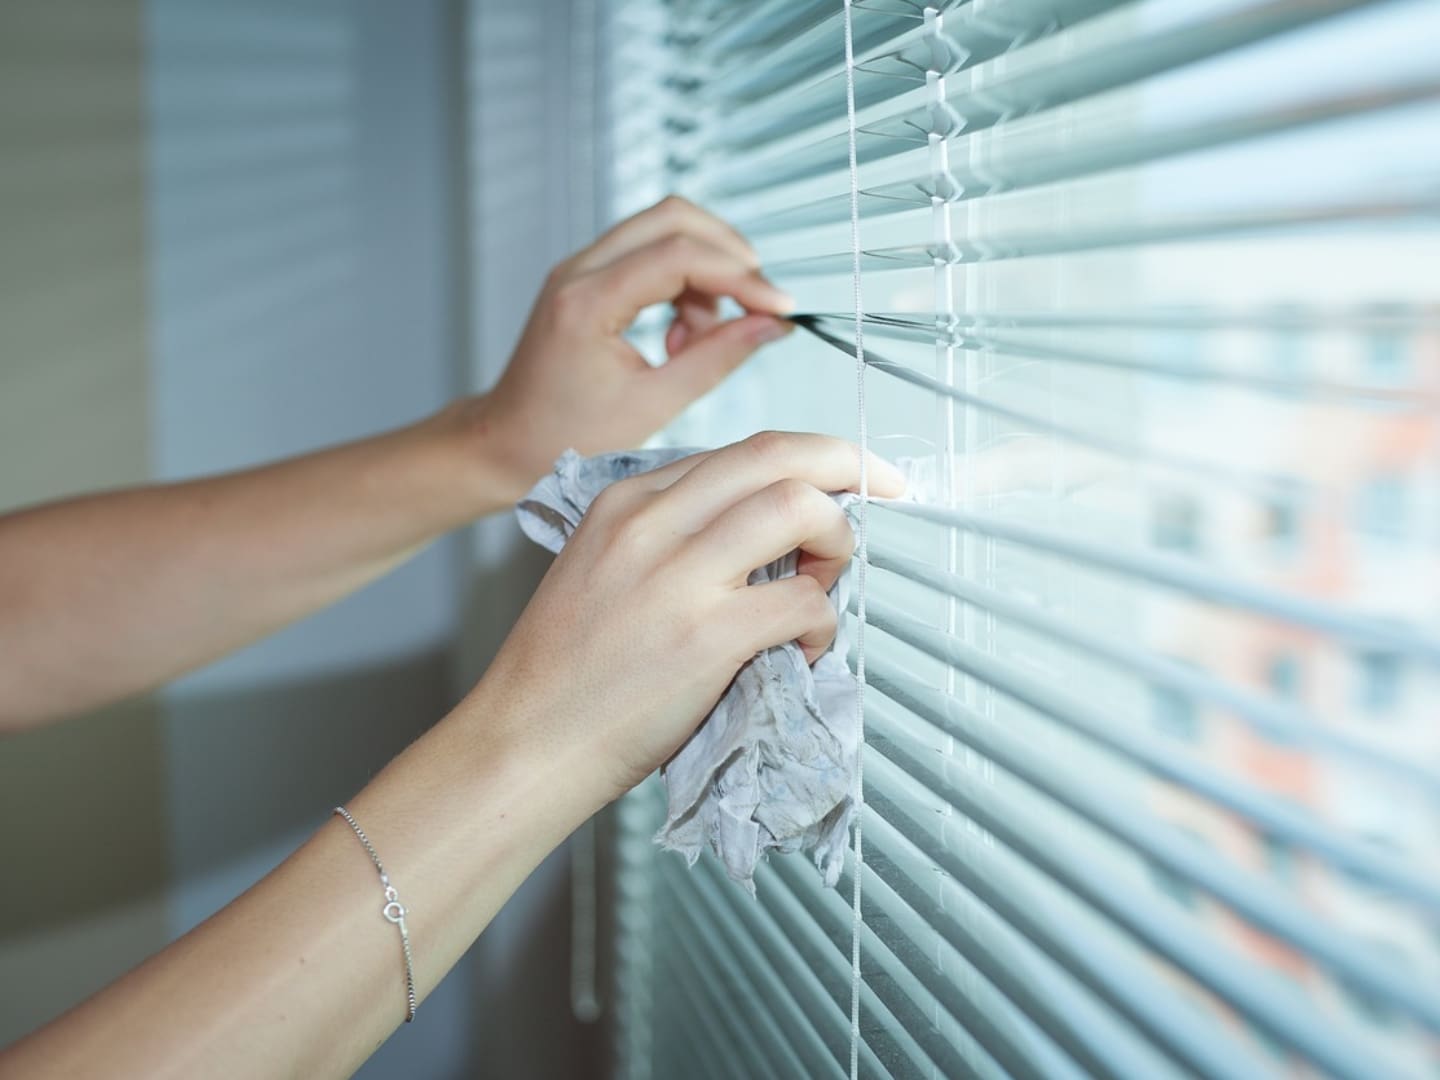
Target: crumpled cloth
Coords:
[(772, 768)]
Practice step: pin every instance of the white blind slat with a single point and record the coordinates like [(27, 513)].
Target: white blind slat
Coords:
[(930, 1040), (1088, 1025), (822, 1057), (1258, 901), (739, 1004), (895, 1046), (1259, 996), (1098, 56), (1152, 296), (1277, 721), (1266, 813)]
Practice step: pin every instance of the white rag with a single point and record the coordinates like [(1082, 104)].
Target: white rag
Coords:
[(772, 767)]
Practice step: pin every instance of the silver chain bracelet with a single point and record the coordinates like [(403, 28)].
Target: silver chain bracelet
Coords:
[(394, 911)]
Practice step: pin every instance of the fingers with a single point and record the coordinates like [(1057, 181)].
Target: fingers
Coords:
[(665, 269), (704, 361), (670, 216), (661, 478), (620, 499), (738, 470), (792, 609), (775, 521), (627, 495), (695, 315)]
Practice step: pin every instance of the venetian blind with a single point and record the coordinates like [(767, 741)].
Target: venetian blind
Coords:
[(1153, 715)]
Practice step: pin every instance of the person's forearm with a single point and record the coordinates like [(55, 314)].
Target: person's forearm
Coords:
[(302, 976), (647, 614), (106, 595)]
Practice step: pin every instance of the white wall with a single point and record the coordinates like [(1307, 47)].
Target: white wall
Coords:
[(301, 238), (235, 230), (83, 845)]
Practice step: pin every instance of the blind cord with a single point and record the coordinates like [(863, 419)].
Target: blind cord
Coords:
[(862, 554)]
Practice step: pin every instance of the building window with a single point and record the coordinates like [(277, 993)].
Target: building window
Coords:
[(1174, 713), (1178, 889), (1176, 525), (1279, 859), (1287, 350), (1386, 358), (1380, 509), (1273, 1046), (1181, 348), (1173, 885), (1378, 678), (1365, 1005), (1284, 676), (1283, 522)]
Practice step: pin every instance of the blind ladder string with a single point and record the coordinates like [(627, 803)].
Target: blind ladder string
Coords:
[(862, 553)]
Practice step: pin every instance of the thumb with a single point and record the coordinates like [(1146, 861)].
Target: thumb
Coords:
[(705, 360)]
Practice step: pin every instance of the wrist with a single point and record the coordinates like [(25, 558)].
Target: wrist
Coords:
[(497, 470), (479, 458), (515, 723)]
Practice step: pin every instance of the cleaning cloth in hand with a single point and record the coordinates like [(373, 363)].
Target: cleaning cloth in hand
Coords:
[(773, 765)]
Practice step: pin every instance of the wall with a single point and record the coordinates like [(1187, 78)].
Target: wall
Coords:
[(300, 231), (83, 842), (228, 237)]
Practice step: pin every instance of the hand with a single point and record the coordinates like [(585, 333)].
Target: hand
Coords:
[(575, 382), (645, 616)]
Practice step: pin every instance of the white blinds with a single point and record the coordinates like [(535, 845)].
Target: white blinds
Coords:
[(1153, 760)]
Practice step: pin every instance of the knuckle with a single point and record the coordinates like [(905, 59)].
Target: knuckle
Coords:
[(676, 247), (829, 617), (633, 532), (769, 447), (791, 500), (816, 598), (674, 204), (560, 272), (629, 486), (607, 507), (571, 297), (824, 622)]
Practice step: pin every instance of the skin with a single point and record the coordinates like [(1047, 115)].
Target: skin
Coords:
[(647, 608)]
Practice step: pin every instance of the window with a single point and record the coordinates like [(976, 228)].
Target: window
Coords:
[(1287, 351), (1284, 676), (1284, 518), (1378, 681), (1365, 1004), (1380, 508), (1174, 886), (1106, 249), (1385, 356), (1279, 859), (1177, 525), (1174, 713), (1282, 526)]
